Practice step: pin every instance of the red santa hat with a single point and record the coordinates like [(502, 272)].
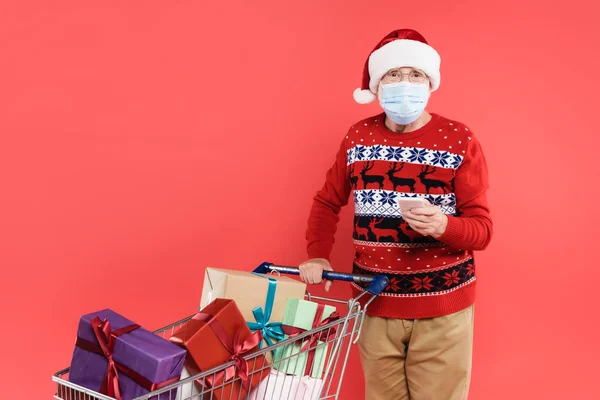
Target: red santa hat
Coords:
[(400, 48)]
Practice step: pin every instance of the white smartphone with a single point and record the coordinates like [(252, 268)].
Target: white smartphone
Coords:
[(408, 203)]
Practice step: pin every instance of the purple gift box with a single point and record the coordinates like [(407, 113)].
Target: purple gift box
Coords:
[(154, 358)]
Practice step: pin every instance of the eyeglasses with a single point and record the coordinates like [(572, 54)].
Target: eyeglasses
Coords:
[(414, 76)]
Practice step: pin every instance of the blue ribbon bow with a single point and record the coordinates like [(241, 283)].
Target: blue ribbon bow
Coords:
[(270, 330)]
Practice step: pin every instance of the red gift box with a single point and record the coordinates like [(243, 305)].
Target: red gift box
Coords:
[(216, 336)]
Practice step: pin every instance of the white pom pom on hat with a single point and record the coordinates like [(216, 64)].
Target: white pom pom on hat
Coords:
[(400, 48), (364, 96)]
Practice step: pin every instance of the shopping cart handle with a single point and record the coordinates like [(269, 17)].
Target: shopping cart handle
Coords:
[(377, 283)]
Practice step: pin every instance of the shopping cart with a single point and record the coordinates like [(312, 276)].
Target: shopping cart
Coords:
[(328, 346)]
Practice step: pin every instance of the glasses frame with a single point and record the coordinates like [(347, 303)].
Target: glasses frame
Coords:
[(401, 76)]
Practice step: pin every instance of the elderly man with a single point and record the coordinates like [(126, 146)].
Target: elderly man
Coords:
[(417, 338)]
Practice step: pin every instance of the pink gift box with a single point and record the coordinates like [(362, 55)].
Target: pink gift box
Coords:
[(282, 386)]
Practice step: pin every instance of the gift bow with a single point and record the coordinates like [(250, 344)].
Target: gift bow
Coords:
[(106, 345), (106, 339), (269, 330), (236, 347), (313, 340)]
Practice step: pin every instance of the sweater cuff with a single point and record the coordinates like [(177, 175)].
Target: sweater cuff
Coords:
[(319, 251), (453, 233)]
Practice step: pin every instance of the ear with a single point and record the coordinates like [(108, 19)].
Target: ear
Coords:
[(378, 94)]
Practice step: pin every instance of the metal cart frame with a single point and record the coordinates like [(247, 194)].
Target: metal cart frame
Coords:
[(331, 342)]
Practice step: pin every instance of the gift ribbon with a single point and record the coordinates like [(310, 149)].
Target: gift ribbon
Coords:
[(106, 345), (269, 330), (313, 340), (235, 346)]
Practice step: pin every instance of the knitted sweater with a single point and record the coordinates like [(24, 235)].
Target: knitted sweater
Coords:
[(441, 162)]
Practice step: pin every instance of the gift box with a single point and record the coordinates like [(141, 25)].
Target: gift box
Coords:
[(192, 390), (307, 357), (118, 358), (187, 390), (216, 336), (282, 386), (260, 298)]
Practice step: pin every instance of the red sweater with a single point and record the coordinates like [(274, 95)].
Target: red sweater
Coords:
[(442, 162)]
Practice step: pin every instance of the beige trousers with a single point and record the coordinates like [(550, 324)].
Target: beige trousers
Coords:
[(421, 359)]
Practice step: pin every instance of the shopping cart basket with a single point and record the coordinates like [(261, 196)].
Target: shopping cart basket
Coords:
[(328, 345)]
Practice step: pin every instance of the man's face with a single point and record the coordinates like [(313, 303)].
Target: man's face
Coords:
[(407, 74)]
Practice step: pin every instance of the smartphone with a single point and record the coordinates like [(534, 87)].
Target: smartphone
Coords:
[(408, 203)]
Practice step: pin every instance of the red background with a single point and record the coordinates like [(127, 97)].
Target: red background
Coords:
[(142, 141)]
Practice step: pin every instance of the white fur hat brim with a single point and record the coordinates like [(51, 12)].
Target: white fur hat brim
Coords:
[(404, 53)]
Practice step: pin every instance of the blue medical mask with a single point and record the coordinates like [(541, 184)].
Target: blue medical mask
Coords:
[(403, 102)]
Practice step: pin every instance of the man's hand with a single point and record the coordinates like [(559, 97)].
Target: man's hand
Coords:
[(311, 271), (428, 220)]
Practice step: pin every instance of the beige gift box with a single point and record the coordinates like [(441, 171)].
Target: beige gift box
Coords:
[(249, 291)]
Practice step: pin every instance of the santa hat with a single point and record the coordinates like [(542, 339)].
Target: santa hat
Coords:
[(400, 48)]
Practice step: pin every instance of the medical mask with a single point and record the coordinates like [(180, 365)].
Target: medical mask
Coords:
[(403, 102)]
